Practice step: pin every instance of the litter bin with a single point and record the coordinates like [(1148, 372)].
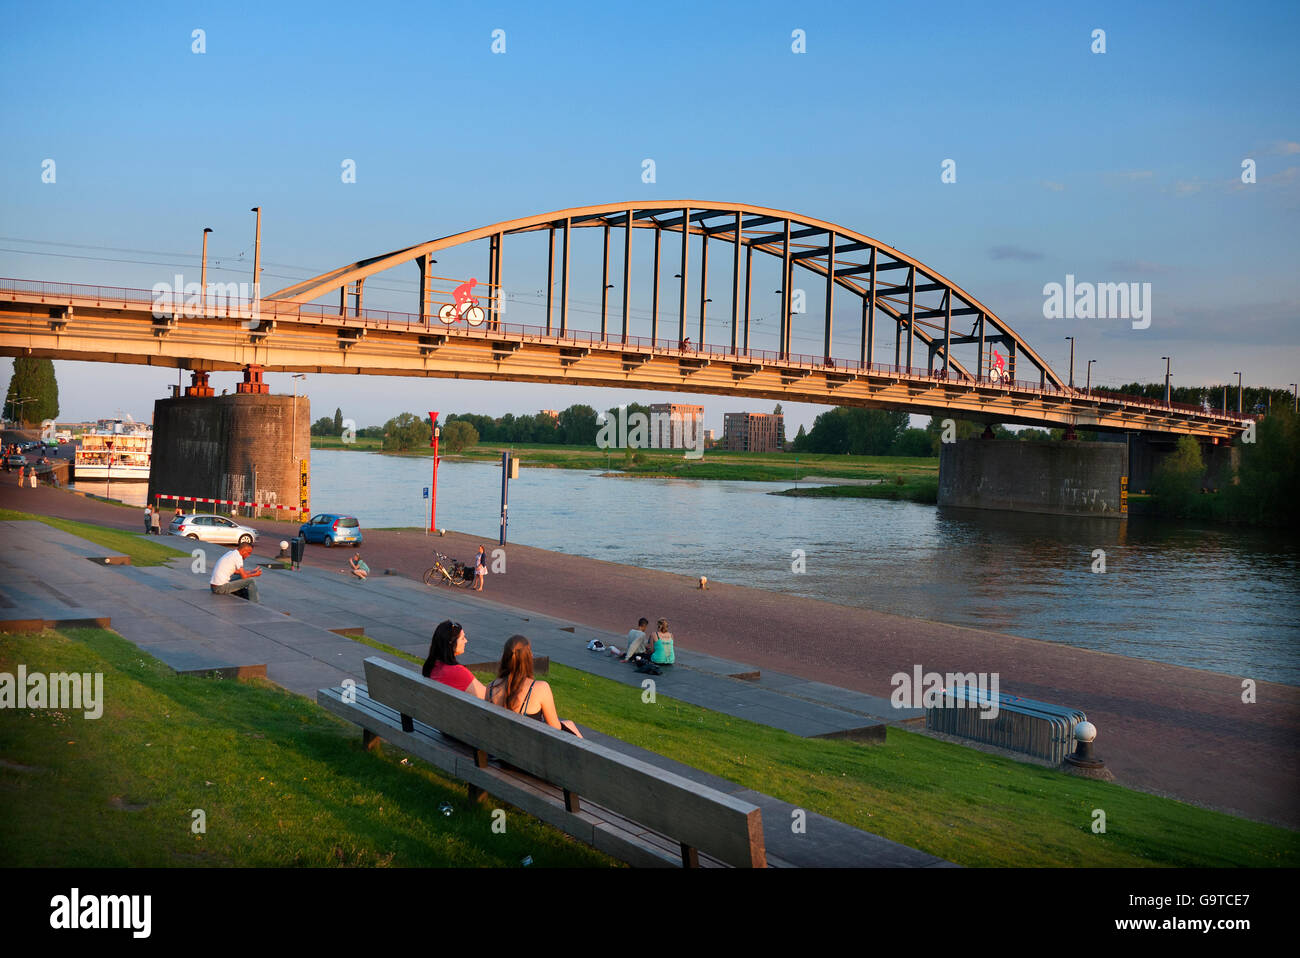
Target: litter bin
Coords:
[(297, 546)]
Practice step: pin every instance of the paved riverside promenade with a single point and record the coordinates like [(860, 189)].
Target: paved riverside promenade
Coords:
[(1162, 728), (51, 578)]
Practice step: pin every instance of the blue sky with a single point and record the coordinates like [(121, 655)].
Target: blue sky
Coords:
[(1123, 166)]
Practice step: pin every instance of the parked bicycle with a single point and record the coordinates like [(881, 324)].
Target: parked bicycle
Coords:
[(448, 571)]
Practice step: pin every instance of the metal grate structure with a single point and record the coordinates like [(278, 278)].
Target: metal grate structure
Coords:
[(1021, 725)]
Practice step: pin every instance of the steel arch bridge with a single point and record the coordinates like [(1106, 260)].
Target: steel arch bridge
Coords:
[(962, 374), (893, 288)]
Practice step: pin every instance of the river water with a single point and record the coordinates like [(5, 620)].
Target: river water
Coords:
[(1208, 596)]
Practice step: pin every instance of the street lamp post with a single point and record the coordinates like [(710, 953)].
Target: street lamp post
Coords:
[(1167, 362), (1071, 339), (433, 491), (1295, 398), (1238, 375), (203, 271), (293, 428), (1088, 388), (19, 404), (257, 256)]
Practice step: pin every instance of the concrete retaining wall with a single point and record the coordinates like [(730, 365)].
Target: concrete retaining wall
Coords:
[(240, 447), (1061, 478)]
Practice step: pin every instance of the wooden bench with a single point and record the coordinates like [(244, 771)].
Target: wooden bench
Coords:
[(625, 807)]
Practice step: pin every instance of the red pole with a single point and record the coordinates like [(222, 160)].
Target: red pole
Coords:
[(433, 490)]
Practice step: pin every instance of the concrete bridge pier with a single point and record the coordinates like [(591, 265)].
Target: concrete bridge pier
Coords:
[(246, 447), (1059, 478)]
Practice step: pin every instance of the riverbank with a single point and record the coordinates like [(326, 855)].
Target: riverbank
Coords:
[(719, 464), (1171, 730)]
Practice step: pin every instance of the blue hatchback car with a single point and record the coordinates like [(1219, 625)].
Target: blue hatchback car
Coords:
[(329, 528)]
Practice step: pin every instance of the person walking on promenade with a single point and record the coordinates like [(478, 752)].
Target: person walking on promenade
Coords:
[(449, 640), (148, 519), (32, 474), (515, 688), (22, 475), (662, 651), (229, 577), (480, 569), (637, 640), (155, 523)]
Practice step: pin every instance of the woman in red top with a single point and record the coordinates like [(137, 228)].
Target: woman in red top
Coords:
[(441, 666)]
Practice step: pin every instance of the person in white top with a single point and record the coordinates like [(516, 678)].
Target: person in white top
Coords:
[(637, 639), (228, 575)]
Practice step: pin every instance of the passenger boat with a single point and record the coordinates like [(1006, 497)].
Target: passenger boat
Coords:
[(116, 449)]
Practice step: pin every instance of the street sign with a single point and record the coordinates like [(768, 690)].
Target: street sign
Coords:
[(426, 492)]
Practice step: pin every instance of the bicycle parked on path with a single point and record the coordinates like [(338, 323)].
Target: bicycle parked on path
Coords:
[(447, 571)]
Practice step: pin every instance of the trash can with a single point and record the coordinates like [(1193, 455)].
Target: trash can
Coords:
[(297, 546)]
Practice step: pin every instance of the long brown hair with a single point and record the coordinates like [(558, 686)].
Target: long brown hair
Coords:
[(516, 668)]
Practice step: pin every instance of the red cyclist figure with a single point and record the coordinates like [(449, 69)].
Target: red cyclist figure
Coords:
[(998, 368), (466, 305)]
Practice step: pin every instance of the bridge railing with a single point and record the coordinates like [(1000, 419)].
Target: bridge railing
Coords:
[(181, 304)]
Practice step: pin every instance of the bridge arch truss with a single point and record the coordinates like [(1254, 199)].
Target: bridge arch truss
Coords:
[(925, 309)]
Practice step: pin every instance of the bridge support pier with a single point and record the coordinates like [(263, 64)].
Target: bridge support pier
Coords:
[(246, 447), (1058, 478)]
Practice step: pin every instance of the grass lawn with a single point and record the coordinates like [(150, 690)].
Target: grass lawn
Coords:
[(963, 805), (143, 550), (280, 781), (916, 489)]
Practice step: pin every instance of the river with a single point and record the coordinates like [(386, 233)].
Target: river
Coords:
[(1208, 596)]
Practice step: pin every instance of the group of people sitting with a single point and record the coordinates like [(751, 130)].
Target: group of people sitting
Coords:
[(514, 687), (646, 648)]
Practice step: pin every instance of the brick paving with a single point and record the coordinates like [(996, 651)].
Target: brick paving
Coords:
[(1166, 729)]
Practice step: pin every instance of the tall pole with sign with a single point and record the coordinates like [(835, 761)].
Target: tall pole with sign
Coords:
[(433, 502), (505, 486)]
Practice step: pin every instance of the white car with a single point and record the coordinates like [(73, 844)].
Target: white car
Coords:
[(212, 528)]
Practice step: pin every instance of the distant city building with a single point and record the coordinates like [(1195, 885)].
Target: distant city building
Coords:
[(753, 431), (675, 425), (553, 413)]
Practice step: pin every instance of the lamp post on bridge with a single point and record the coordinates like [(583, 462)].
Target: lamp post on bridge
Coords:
[(203, 271), (1071, 339), (1238, 375), (1088, 388), (1167, 362), (257, 256)]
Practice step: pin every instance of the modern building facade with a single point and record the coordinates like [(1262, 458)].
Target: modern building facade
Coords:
[(675, 425), (753, 431)]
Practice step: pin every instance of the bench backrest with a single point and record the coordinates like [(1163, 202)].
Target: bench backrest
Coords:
[(702, 817)]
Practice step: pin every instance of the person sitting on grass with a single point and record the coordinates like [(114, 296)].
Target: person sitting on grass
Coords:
[(515, 688), (637, 640), (661, 652), (359, 567), (449, 640), (229, 577)]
